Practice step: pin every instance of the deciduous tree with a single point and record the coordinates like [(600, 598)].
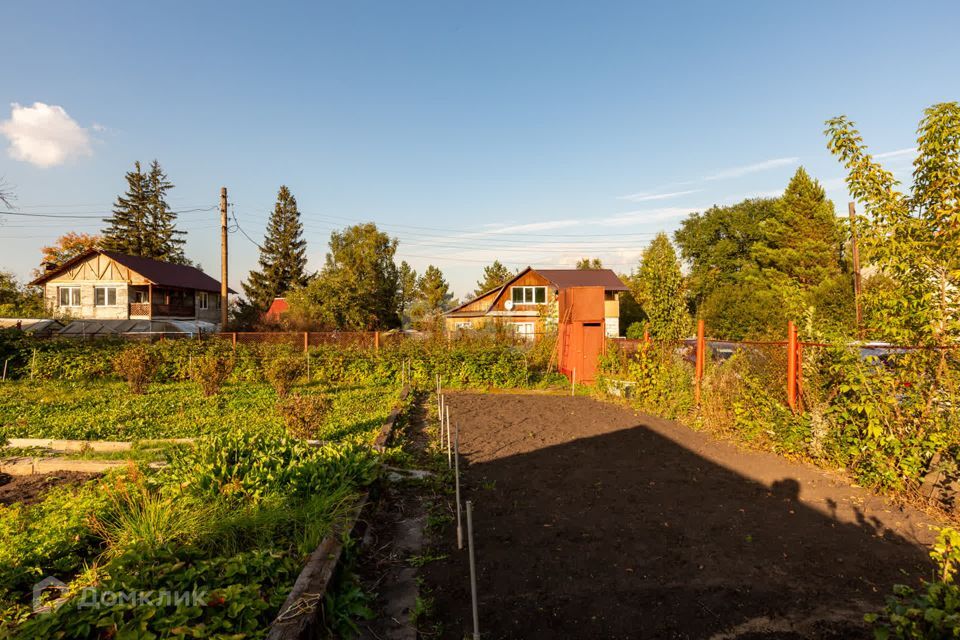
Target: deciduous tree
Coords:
[(358, 287), (658, 287), (589, 263)]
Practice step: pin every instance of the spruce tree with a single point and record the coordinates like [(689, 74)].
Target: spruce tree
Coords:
[(589, 263), (283, 256), (163, 240), (142, 223), (127, 227)]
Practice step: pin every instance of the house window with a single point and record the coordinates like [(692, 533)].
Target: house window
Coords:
[(202, 299), (105, 296), (216, 298), (526, 330), (528, 295), (69, 296)]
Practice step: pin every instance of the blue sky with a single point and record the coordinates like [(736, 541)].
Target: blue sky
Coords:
[(532, 132)]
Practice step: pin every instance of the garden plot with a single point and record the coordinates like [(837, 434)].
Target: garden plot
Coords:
[(592, 521), (223, 530)]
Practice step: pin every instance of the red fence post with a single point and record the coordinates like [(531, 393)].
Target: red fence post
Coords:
[(792, 366), (376, 341), (306, 341), (701, 359)]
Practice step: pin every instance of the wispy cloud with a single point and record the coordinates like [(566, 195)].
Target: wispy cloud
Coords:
[(530, 226), (895, 154), (647, 197), (646, 215), (736, 172)]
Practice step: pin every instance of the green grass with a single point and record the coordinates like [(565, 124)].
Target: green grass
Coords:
[(107, 411)]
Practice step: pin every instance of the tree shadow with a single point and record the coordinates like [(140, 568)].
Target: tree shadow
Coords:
[(628, 534)]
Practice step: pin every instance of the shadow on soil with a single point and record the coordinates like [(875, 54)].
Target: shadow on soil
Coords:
[(628, 534)]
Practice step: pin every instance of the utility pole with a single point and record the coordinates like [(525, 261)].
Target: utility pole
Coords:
[(856, 267), (223, 259)]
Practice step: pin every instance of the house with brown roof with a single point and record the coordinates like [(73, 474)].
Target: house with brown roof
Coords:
[(528, 303), (109, 286)]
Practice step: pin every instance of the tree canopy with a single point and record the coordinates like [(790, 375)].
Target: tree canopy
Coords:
[(66, 247), (657, 286), (494, 275), (589, 263), (433, 297), (758, 263), (358, 287), (142, 223), (911, 240), (283, 256)]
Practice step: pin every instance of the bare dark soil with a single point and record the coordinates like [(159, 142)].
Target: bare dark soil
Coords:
[(592, 521), (30, 489)]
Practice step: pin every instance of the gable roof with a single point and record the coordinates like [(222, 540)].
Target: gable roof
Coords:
[(165, 274), (560, 278), (565, 278)]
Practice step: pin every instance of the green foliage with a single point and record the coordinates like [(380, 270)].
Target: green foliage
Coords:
[(662, 381), (756, 264), (657, 286), (142, 222), (304, 415), (931, 612), (358, 287), (137, 365), (283, 256), (494, 275), (282, 372), (210, 370), (432, 299), (105, 411), (914, 240), (589, 263), (18, 300)]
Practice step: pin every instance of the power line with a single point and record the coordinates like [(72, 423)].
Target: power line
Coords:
[(88, 217)]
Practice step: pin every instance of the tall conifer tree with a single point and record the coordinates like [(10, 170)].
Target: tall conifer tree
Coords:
[(143, 224), (283, 257)]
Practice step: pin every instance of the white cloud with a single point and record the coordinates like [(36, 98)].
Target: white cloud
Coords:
[(736, 172), (531, 226), (648, 215), (646, 197), (895, 154), (44, 135)]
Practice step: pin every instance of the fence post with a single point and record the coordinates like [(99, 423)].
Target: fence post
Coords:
[(234, 340), (792, 366), (701, 359), (376, 341), (306, 341)]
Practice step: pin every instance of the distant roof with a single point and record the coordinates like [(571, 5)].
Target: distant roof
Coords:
[(156, 271), (560, 278), (564, 278)]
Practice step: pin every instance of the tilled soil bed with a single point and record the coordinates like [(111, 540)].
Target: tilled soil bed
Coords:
[(593, 521), (29, 489)]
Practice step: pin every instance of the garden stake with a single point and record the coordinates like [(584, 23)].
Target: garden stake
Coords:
[(5, 369), (456, 474), (449, 450), (33, 364), (473, 572)]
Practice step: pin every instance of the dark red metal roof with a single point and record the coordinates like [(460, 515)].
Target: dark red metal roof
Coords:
[(160, 273), (563, 278)]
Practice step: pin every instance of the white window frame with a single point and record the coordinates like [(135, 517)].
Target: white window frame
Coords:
[(526, 330), (106, 296), (528, 295), (203, 300), (74, 298)]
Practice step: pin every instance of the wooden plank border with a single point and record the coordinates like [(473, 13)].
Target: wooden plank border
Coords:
[(301, 616)]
